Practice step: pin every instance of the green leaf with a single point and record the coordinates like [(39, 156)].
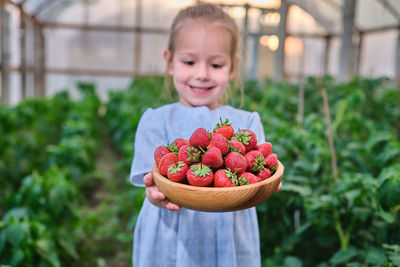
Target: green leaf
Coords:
[(17, 257), (351, 195), (343, 256), (17, 213), (375, 256), (301, 190), (386, 216), (291, 261), (3, 239), (393, 253), (389, 187), (200, 170), (376, 138), (362, 213), (69, 246), (15, 233), (47, 250)]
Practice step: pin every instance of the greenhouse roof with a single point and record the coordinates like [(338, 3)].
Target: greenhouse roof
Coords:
[(371, 15)]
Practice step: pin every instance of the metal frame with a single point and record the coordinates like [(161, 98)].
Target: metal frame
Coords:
[(40, 69)]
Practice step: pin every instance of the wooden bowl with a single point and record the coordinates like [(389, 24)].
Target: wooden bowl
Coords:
[(218, 199)]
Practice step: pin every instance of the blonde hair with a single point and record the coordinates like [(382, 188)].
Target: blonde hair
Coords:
[(215, 14)]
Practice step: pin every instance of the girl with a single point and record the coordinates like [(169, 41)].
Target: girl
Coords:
[(202, 57)]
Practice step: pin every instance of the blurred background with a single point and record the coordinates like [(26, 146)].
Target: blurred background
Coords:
[(48, 45), (76, 75)]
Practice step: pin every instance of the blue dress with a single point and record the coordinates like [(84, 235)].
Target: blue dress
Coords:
[(187, 237)]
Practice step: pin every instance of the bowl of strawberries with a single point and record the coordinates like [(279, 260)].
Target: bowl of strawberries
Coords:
[(217, 171)]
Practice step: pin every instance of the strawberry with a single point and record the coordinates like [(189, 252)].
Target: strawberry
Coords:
[(264, 174), (173, 148), (213, 158), (247, 138), (236, 162), (166, 161), (265, 149), (225, 178), (189, 154), (180, 142), (247, 178), (272, 161), (177, 171), (200, 175), (255, 161), (200, 138), (224, 128), (159, 153), (235, 145), (219, 141)]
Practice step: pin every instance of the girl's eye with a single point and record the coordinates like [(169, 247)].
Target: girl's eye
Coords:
[(189, 63), (216, 66)]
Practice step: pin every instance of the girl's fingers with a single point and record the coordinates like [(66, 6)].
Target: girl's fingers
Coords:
[(148, 179), (155, 193), (158, 198), (169, 205)]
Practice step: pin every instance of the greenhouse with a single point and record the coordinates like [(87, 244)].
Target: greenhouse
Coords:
[(77, 76)]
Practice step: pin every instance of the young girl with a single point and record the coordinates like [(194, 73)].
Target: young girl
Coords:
[(202, 57)]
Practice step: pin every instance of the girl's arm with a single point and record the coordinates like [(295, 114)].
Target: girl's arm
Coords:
[(155, 196)]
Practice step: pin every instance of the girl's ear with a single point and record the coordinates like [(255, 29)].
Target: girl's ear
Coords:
[(168, 60)]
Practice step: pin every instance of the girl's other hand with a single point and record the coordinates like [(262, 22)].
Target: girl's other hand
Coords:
[(156, 196)]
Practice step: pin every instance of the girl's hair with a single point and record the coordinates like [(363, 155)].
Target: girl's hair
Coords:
[(214, 14)]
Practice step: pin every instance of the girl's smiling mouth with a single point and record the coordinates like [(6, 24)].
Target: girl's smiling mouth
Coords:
[(201, 90)]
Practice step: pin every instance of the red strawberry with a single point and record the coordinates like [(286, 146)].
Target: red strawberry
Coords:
[(159, 153), (177, 171), (272, 161), (200, 138), (265, 149), (189, 154), (224, 128), (225, 178), (264, 174), (219, 141), (247, 138), (255, 161), (213, 158), (236, 162), (235, 145), (166, 161), (180, 142), (247, 178), (200, 175)]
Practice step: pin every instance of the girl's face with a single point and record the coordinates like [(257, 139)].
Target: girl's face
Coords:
[(201, 65)]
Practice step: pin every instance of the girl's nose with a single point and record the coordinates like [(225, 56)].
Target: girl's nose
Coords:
[(202, 72)]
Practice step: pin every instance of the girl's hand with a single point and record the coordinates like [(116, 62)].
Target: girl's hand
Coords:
[(156, 196)]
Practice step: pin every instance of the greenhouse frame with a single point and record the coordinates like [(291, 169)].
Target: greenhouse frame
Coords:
[(342, 38)]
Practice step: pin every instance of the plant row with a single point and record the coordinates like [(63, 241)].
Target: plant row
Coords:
[(41, 224), (351, 220)]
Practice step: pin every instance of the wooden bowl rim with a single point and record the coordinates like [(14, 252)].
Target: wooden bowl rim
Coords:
[(277, 175)]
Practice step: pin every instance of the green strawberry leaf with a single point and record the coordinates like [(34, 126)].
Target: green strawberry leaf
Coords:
[(176, 167), (243, 181), (200, 170), (243, 137)]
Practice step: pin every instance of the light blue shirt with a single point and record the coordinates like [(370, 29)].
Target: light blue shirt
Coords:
[(188, 237)]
